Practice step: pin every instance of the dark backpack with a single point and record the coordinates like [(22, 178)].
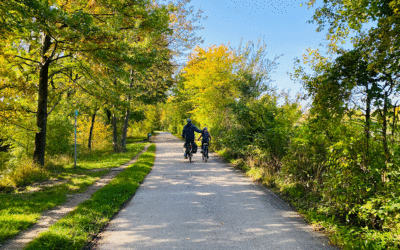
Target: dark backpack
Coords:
[(206, 136)]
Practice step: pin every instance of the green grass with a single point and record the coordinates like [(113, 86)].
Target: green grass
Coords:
[(136, 139), (20, 208), (79, 227), (107, 159)]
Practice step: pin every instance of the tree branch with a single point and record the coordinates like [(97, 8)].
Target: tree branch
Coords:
[(62, 57), (27, 59)]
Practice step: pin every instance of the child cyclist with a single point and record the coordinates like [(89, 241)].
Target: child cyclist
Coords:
[(206, 137)]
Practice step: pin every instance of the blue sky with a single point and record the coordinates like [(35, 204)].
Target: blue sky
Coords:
[(282, 24)]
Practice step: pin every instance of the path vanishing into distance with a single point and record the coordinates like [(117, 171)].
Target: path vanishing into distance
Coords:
[(182, 205)]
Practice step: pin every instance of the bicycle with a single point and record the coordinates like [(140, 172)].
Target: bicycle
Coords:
[(205, 152), (189, 152)]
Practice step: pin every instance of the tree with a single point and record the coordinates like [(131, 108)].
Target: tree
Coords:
[(229, 92), (344, 143), (46, 33), (372, 63)]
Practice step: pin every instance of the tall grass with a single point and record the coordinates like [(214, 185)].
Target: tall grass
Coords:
[(23, 173)]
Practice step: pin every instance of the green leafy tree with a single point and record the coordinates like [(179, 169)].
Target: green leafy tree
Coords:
[(42, 36), (229, 92)]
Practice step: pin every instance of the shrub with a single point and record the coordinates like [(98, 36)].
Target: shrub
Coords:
[(59, 135), (4, 158), (23, 173)]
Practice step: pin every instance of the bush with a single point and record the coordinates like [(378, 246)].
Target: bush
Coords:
[(59, 136), (305, 161), (380, 213), (4, 158), (23, 173)]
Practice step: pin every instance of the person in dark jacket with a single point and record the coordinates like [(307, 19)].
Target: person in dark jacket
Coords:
[(205, 136), (188, 134)]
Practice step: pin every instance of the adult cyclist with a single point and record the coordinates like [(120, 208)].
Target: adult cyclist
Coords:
[(188, 134)]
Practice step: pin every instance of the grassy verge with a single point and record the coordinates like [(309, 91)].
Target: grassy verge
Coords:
[(20, 210), (308, 205), (21, 207), (79, 227), (348, 237)]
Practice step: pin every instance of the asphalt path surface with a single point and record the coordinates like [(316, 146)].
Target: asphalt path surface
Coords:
[(197, 205)]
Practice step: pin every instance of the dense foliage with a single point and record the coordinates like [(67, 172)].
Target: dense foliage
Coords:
[(229, 92), (338, 160), (110, 60), (348, 149), (113, 61)]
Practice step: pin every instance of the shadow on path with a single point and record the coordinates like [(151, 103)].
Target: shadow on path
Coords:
[(183, 205)]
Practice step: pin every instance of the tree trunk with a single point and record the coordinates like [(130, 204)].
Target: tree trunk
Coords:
[(91, 130), (41, 117), (125, 129), (115, 135), (384, 128), (127, 115), (367, 123), (394, 123), (109, 115)]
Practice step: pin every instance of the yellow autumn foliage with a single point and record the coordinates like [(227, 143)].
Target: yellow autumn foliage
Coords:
[(101, 137), (210, 81)]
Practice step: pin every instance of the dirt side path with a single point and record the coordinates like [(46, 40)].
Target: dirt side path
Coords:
[(51, 216), (183, 205)]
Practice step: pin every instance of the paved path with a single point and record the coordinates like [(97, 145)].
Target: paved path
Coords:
[(183, 205)]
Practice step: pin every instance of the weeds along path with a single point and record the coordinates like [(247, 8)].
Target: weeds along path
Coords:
[(51, 216), (182, 205)]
